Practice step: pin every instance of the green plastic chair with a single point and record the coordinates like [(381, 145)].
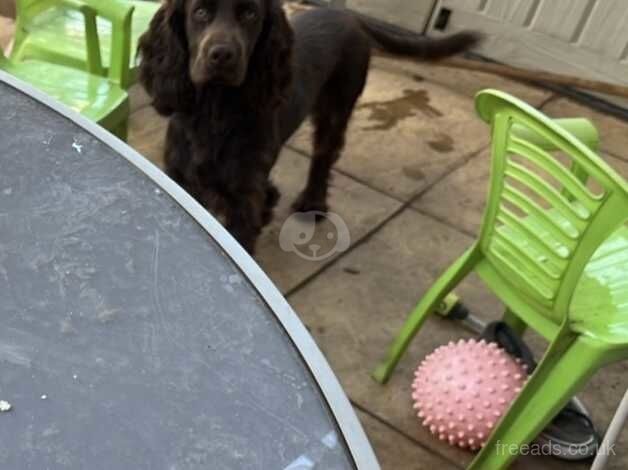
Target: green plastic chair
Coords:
[(57, 31), (102, 99), (554, 249)]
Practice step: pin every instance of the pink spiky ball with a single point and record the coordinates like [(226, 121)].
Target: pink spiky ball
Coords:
[(462, 390)]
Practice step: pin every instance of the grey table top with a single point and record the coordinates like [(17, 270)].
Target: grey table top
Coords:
[(134, 332)]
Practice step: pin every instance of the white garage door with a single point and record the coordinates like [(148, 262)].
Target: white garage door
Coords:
[(585, 38)]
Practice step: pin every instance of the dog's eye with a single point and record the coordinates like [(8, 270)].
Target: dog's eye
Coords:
[(248, 15), (201, 14)]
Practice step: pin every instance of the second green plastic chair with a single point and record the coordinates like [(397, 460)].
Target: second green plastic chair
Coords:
[(57, 32), (102, 99), (553, 247)]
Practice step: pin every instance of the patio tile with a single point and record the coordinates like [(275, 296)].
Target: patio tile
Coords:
[(464, 82), (459, 199), (613, 131), (406, 133), (147, 134), (359, 207), (139, 98), (396, 452)]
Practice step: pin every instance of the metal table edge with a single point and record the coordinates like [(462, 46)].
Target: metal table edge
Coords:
[(342, 410)]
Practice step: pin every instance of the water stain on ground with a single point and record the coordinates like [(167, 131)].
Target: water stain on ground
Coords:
[(388, 113), (414, 172), (442, 143)]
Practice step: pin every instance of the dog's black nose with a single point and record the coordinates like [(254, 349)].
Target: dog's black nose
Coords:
[(221, 56)]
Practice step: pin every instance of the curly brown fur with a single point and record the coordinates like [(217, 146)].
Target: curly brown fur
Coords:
[(236, 82)]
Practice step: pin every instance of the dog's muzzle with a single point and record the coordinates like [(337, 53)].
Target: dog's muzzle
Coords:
[(219, 62)]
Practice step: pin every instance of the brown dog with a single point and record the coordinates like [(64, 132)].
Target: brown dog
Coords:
[(237, 80)]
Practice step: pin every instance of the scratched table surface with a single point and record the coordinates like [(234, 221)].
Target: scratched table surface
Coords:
[(128, 338)]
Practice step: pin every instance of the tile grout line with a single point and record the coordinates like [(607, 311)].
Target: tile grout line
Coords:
[(367, 236), (443, 221), (394, 428), (358, 242), (612, 154), (455, 167)]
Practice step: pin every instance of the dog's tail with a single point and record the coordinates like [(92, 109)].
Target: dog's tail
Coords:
[(406, 43)]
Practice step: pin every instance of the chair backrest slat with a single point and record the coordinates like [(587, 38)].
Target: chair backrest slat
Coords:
[(530, 280), (576, 215), (575, 187), (541, 244), (564, 234)]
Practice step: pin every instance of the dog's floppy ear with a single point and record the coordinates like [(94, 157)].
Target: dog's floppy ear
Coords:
[(270, 69), (164, 57)]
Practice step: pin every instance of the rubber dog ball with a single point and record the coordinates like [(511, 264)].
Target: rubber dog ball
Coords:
[(461, 391)]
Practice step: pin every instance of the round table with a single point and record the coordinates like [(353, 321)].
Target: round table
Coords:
[(135, 333)]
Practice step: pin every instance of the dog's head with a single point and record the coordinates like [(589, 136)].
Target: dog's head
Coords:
[(193, 44), (221, 36)]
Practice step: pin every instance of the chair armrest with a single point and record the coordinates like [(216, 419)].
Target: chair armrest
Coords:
[(119, 14)]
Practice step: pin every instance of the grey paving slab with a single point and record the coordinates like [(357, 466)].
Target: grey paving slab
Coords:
[(138, 96), (459, 199), (147, 133), (360, 210), (396, 452)]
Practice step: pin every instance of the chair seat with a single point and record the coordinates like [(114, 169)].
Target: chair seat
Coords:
[(599, 307), (62, 32), (93, 96)]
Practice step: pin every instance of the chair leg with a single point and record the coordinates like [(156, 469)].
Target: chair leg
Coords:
[(567, 366), (443, 286), (514, 322)]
